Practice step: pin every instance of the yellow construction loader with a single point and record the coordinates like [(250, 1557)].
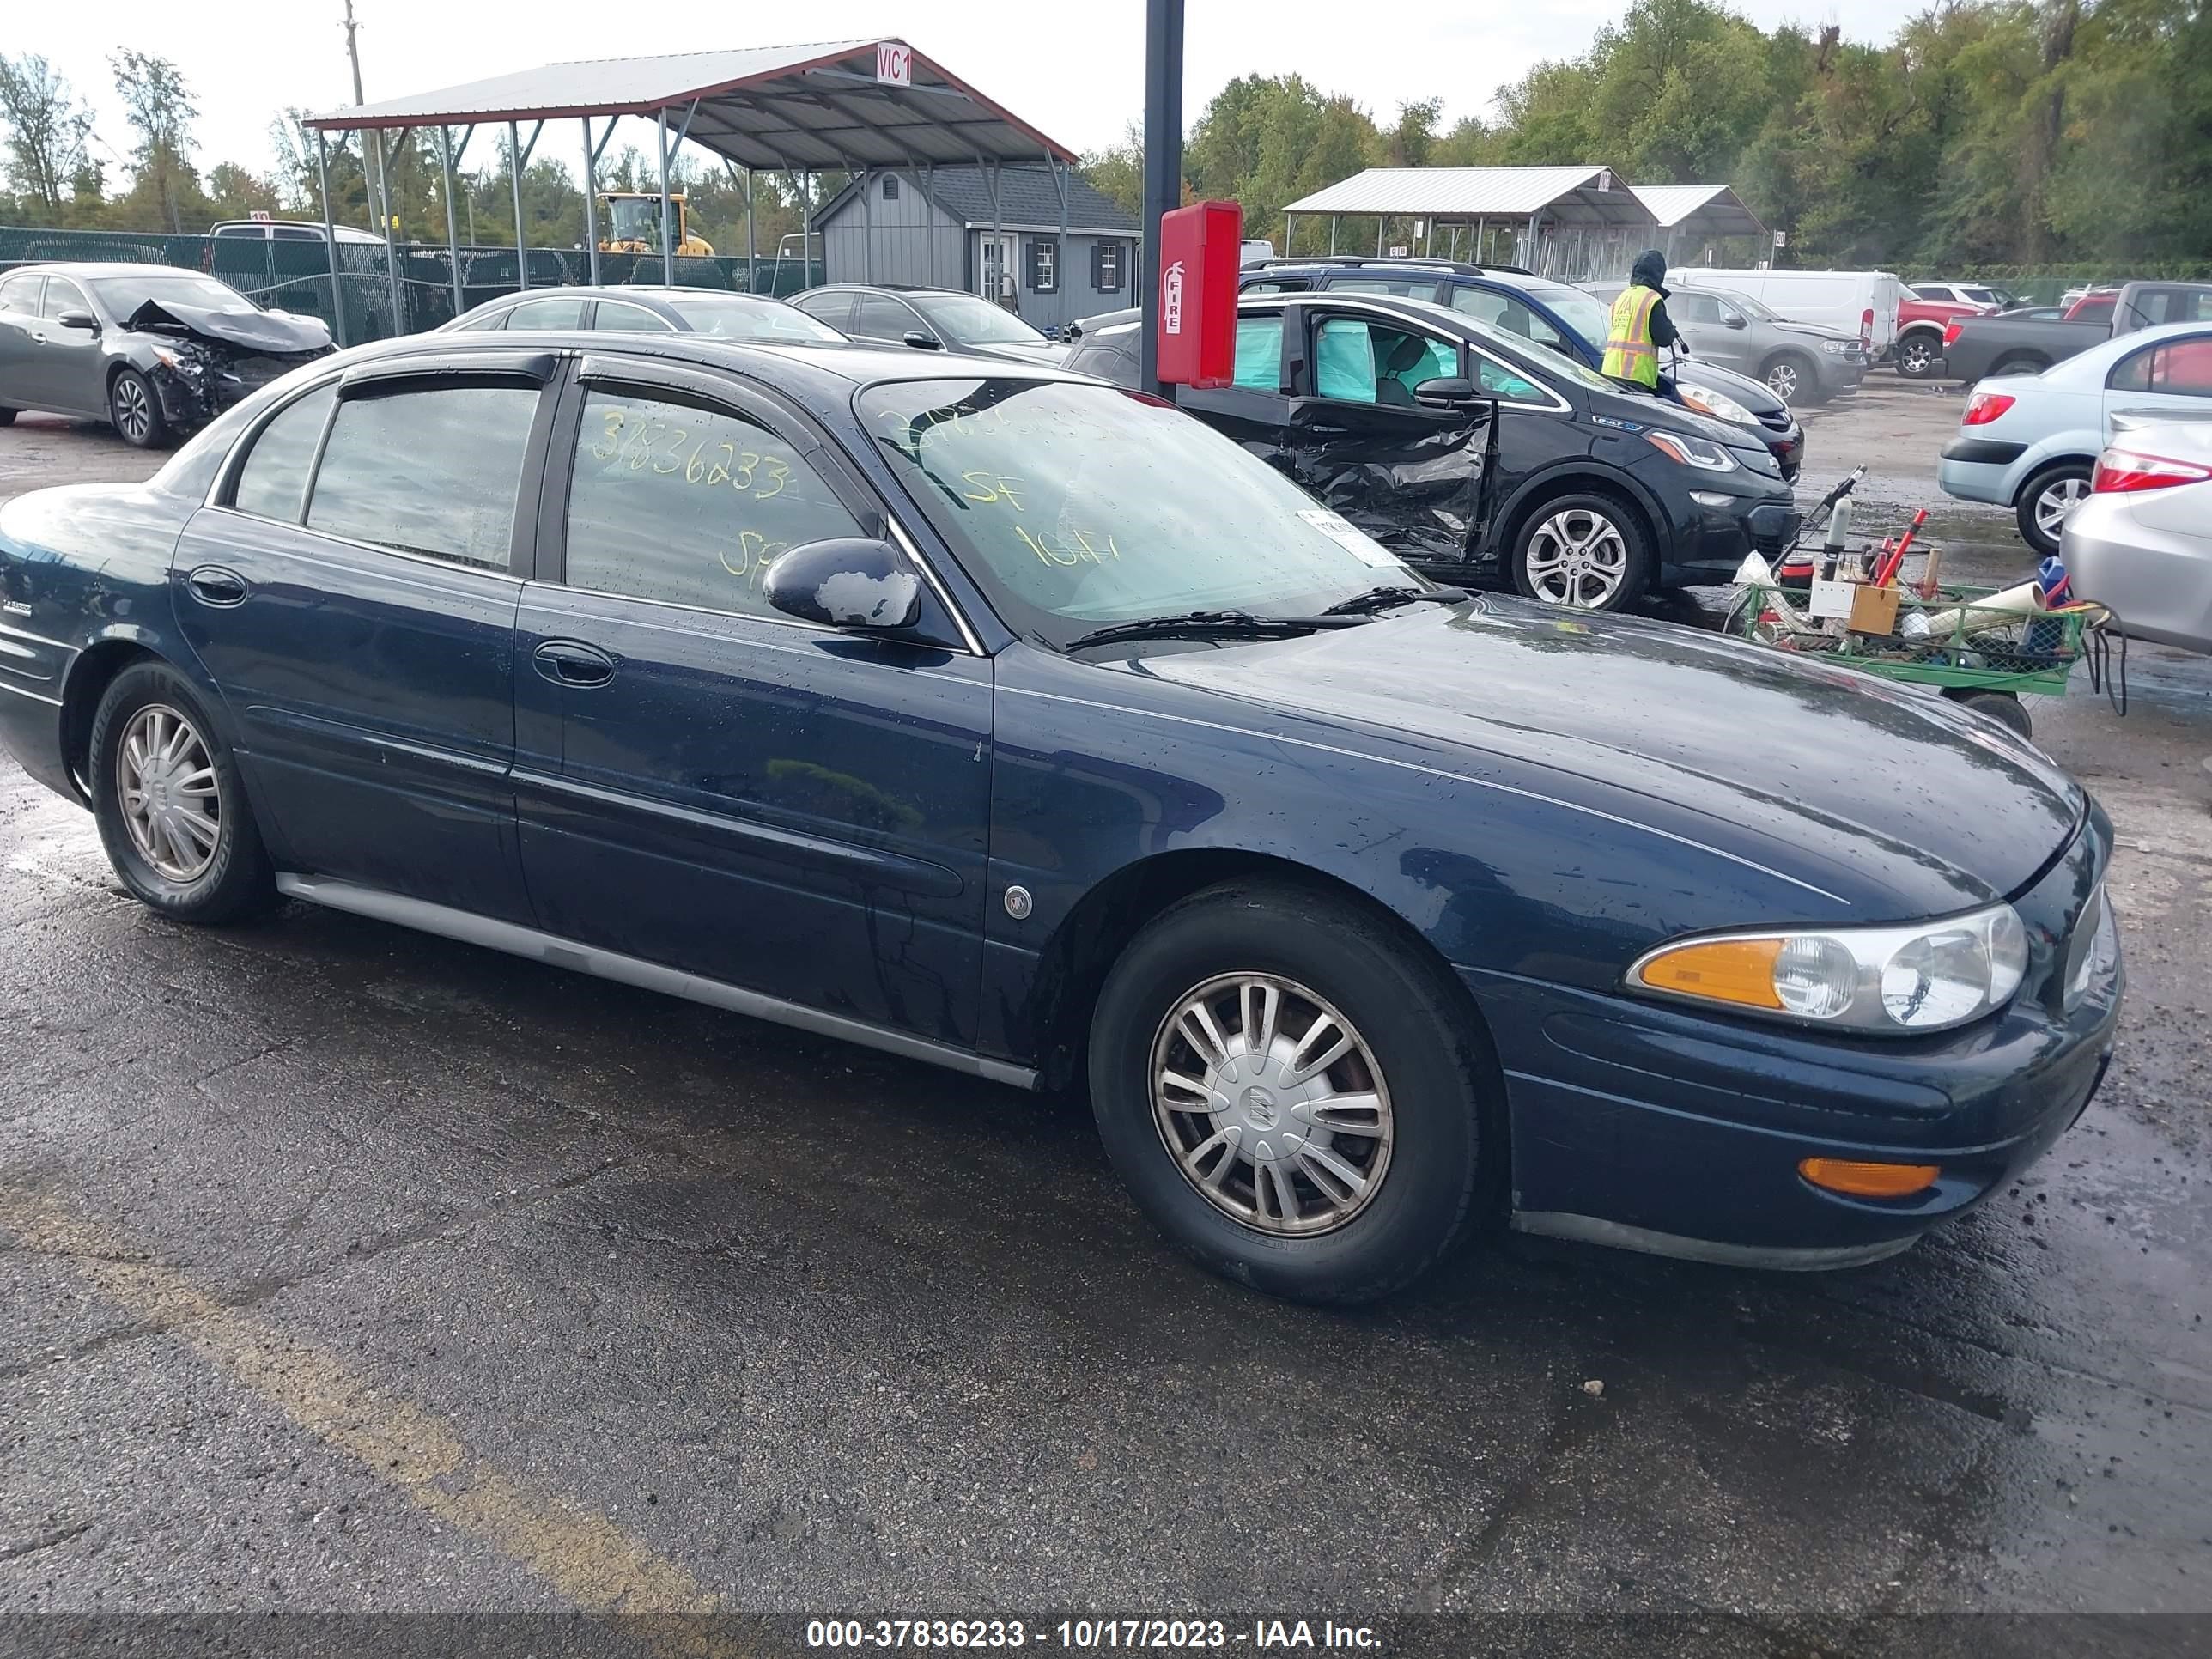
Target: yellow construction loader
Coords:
[(629, 223)]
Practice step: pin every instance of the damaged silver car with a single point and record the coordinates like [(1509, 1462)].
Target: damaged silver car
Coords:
[(154, 349)]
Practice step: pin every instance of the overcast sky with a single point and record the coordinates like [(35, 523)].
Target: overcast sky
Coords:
[(1075, 70)]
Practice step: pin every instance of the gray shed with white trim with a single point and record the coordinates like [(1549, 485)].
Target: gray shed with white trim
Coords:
[(996, 231)]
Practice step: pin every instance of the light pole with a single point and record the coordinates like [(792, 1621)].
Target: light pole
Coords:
[(1162, 171)]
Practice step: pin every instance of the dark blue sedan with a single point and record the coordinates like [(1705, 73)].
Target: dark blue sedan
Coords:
[(1020, 724)]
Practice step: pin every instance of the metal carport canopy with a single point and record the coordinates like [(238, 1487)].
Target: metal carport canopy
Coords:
[(1715, 209), (803, 109), (1574, 196)]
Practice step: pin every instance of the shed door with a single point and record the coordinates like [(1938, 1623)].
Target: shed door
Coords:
[(996, 267)]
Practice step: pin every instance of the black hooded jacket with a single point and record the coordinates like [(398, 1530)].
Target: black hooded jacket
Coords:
[(1649, 272)]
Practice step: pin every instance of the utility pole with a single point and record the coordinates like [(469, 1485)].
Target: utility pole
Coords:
[(1162, 171), (372, 141)]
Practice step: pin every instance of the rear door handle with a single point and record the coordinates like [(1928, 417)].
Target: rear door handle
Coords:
[(570, 662), (211, 584)]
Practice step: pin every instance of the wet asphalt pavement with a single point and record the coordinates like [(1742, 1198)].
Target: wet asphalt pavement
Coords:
[(349, 1270)]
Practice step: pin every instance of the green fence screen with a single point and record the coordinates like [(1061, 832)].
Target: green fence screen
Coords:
[(293, 273)]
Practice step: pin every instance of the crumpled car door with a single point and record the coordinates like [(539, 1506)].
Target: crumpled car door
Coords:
[(1411, 478)]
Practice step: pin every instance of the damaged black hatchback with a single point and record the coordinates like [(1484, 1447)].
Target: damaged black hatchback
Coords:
[(154, 349)]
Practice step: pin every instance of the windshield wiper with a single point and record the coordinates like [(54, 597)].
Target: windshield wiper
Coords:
[(1211, 624), (1381, 598)]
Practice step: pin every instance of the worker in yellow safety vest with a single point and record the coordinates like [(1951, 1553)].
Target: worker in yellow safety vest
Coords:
[(1640, 328)]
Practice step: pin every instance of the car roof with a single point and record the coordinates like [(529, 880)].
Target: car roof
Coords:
[(107, 268), (626, 291), (881, 288)]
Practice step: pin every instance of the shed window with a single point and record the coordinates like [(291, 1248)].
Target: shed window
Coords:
[(1106, 267), (1044, 264), (890, 187)]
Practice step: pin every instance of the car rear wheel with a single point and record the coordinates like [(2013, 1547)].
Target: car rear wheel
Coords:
[(1916, 356), (171, 809), (1291, 1091), (1584, 551), (2025, 365), (2046, 501), (135, 411)]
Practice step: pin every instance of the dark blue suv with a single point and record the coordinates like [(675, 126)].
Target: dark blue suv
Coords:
[(1550, 313)]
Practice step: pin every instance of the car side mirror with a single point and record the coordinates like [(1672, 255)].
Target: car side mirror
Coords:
[(1734, 320), (79, 319), (851, 582), (1451, 392), (922, 342)]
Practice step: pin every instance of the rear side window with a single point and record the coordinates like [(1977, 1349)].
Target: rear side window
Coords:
[(2179, 368), (273, 483), (1504, 312), (21, 293), (1259, 354), (689, 506), (635, 320), (551, 312), (835, 309), (433, 471), (882, 318)]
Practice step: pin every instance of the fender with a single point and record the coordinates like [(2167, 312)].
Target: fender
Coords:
[(1547, 478)]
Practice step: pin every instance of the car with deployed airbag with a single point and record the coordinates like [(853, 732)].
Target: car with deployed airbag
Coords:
[(1003, 719)]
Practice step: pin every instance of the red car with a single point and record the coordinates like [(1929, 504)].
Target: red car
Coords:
[(1920, 324)]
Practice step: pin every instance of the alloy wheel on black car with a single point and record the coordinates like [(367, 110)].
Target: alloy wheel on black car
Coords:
[(136, 414), (1582, 551)]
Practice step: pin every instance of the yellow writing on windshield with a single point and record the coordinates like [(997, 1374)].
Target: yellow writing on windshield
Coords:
[(987, 487), (1070, 547)]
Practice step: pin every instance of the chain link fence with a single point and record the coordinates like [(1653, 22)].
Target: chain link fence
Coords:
[(291, 271)]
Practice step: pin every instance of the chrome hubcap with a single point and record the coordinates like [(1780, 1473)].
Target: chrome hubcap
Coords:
[(2052, 506), (1783, 378), (1578, 558), (1271, 1104), (131, 412), (171, 805), (1917, 355)]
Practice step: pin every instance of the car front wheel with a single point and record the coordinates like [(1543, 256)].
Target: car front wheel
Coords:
[(1292, 1091), (1585, 551), (135, 411), (172, 810)]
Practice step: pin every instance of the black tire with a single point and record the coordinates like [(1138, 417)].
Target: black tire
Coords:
[(2021, 363), (135, 410), (1445, 1100), (2032, 511), (1627, 525), (1799, 373), (1917, 355), (236, 881), (2003, 707)]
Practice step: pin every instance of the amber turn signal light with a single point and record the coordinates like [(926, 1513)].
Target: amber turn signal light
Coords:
[(1720, 970), (1861, 1180)]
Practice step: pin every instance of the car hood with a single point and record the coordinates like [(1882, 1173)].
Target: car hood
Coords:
[(1815, 330), (1025, 351), (1892, 800), (1754, 395), (257, 330)]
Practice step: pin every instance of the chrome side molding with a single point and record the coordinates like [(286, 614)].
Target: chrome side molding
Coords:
[(537, 946)]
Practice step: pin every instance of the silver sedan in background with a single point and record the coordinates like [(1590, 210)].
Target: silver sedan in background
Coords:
[(2141, 542)]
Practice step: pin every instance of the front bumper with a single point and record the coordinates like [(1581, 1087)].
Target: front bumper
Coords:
[(1648, 1125)]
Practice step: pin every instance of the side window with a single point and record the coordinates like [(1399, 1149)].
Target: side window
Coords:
[(1044, 264), (1496, 380), (634, 319), (273, 483), (21, 293), (1373, 363), (689, 506), (294, 233), (62, 295), (431, 471), (835, 309), (484, 319), (1344, 361), (1259, 354), (1685, 306), (2179, 368), (1106, 267), (882, 318), (1398, 286), (1484, 304), (551, 312)]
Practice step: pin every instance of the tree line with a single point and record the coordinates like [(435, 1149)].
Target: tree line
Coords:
[(1987, 134)]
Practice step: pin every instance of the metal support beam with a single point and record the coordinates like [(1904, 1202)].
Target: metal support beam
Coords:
[(1162, 171), (806, 233), (391, 228), (867, 225), (592, 201), (752, 246), (518, 157), (667, 213), (1334, 220), (1061, 259), (453, 231), (998, 241), (331, 238)]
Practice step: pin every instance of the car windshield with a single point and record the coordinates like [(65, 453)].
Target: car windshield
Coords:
[(1586, 314), (968, 317), (1555, 363), (1981, 296), (736, 319), (124, 294), (1077, 505)]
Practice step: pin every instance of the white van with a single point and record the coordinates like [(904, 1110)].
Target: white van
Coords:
[(1861, 302)]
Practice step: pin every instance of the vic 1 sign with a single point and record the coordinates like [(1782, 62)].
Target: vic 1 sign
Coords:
[(894, 63)]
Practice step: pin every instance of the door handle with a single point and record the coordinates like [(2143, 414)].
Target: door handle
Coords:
[(570, 662), (213, 584)]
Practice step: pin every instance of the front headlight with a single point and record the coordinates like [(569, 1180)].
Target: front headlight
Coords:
[(1837, 347), (1925, 977), (1718, 404), (1702, 453)]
